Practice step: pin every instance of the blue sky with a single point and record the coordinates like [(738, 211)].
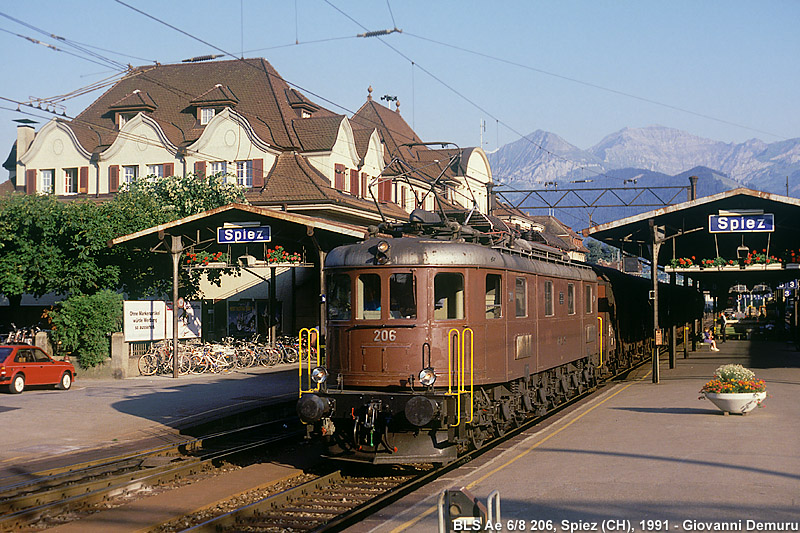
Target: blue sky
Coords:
[(725, 70)]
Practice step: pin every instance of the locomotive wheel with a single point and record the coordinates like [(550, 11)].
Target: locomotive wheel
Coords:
[(477, 436)]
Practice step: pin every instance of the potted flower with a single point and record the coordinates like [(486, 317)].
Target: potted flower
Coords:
[(735, 389)]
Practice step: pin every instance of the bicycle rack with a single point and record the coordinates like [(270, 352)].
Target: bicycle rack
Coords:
[(308, 338)]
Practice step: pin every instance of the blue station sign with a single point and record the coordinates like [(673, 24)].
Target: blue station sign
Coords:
[(233, 234), (741, 223)]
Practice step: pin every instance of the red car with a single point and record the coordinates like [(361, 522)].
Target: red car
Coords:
[(21, 365)]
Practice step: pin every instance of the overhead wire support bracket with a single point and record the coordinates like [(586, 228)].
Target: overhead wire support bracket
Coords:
[(379, 33)]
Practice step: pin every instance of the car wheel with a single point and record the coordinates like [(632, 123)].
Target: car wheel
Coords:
[(66, 381), (17, 384)]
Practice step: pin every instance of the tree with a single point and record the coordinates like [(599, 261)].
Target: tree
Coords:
[(598, 251)]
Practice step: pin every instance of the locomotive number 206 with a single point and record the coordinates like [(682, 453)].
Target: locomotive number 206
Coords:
[(385, 335)]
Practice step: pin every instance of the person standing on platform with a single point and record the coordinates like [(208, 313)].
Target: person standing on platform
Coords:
[(723, 324)]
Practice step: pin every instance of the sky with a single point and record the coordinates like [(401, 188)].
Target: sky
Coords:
[(724, 70)]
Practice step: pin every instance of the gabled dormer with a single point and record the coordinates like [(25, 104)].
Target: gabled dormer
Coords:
[(128, 107), (211, 102), (302, 106)]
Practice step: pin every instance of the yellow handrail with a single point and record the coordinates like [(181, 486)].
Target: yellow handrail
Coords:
[(601, 339), (456, 364), (306, 354)]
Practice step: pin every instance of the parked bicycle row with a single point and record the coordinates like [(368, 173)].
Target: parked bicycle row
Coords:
[(231, 354)]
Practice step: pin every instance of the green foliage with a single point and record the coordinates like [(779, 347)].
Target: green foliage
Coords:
[(598, 251), (82, 324)]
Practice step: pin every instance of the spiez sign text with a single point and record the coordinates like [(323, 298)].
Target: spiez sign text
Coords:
[(741, 223), (251, 234)]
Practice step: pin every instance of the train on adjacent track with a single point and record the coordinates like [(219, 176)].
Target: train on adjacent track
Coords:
[(445, 332)]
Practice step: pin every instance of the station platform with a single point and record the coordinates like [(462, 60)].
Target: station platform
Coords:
[(640, 451), (45, 428)]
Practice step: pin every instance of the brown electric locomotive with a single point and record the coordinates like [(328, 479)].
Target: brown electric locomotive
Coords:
[(441, 336)]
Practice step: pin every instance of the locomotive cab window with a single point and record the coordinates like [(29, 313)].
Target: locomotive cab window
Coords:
[(368, 297), (570, 298), (339, 297), (493, 296), (521, 297), (548, 299), (402, 296), (589, 299), (448, 296)]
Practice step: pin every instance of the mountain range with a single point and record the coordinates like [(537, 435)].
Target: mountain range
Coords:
[(655, 154)]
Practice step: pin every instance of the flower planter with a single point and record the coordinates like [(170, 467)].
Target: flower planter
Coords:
[(736, 402)]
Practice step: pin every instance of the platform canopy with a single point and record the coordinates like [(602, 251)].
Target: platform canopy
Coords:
[(202, 228), (730, 225)]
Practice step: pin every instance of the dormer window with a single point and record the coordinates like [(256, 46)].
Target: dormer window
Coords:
[(304, 114), (123, 118), (206, 114)]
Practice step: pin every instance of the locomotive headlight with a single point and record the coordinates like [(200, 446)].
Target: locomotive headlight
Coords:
[(319, 374), (427, 376), (382, 253)]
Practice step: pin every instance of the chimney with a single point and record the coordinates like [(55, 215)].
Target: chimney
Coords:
[(692, 188), (25, 136)]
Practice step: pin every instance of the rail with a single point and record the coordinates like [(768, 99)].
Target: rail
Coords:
[(456, 370)]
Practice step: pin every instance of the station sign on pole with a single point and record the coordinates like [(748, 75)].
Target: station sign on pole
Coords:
[(243, 233), (741, 222)]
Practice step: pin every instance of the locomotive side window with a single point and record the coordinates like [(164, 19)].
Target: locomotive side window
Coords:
[(402, 296), (368, 297), (521, 297), (448, 296), (339, 297), (493, 296), (548, 299), (589, 299), (570, 298)]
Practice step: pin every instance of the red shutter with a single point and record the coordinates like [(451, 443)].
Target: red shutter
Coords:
[(364, 192), (385, 190), (258, 173), (169, 169), (338, 176), (30, 181), (113, 178), (354, 182), (83, 180), (200, 169)]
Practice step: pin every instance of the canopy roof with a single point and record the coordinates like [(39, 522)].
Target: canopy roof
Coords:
[(684, 231)]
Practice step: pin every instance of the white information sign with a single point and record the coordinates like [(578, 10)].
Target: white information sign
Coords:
[(144, 320)]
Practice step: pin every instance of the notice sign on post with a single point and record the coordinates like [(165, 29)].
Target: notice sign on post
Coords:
[(741, 223), (144, 320), (233, 234)]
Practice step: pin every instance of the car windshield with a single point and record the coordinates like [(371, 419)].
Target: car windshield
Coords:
[(4, 352)]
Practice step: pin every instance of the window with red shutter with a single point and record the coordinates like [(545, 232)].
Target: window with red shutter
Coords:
[(30, 181), (354, 182), (113, 178), (364, 191), (338, 176), (200, 169), (83, 183), (169, 169), (258, 173)]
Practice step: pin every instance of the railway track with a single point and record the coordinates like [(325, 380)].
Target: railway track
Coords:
[(334, 501), (53, 492)]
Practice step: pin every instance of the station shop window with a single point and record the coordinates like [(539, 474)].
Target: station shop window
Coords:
[(368, 297), (570, 298), (448, 296), (494, 296), (338, 296), (548, 299), (521, 297), (402, 296)]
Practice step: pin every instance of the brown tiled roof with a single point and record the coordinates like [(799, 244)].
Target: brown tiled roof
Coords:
[(393, 130), (293, 181), (315, 134), (261, 93), (6, 188), (135, 101), (219, 94)]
